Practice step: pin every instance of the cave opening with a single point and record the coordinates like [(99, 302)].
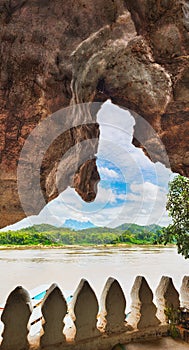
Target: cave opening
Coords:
[(132, 189)]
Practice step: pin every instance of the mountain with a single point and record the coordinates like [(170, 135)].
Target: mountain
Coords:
[(100, 229), (46, 228), (78, 225), (136, 228), (89, 227), (39, 228)]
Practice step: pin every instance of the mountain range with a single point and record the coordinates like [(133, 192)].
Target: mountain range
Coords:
[(87, 225), (77, 225)]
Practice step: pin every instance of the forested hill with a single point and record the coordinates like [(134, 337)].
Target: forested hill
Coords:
[(137, 228), (133, 228), (45, 234)]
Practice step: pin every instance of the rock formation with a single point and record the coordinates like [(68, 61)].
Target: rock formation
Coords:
[(57, 52)]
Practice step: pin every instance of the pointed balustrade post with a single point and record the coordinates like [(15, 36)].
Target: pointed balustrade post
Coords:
[(184, 292), (84, 307), (15, 317), (143, 310), (54, 309), (113, 305), (167, 299)]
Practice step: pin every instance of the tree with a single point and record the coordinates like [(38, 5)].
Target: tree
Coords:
[(178, 208)]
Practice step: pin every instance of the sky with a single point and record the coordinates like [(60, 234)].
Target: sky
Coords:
[(132, 188)]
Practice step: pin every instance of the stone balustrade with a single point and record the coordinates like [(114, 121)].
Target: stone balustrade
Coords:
[(92, 326)]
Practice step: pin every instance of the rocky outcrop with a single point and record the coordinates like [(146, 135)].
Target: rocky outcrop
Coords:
[(54, 53), (37, 38), (145, 71)]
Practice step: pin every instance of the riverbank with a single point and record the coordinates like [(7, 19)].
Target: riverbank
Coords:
[(80, 246)]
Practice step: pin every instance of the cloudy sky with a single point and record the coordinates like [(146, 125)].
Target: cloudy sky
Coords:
[(132, 188)]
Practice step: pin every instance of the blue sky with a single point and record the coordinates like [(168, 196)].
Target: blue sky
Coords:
[(132, 188)]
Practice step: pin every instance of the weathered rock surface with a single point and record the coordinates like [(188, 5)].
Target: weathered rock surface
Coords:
[(135, 53)]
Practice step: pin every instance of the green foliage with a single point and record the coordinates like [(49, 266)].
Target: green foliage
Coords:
[(173, 317), (137, 228), (178, 208), (48, 235), (140, 237)]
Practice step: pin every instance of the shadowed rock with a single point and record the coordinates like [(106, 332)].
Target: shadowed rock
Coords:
[(132, 52)]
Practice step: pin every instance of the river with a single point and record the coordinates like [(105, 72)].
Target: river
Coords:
[(33, 267)]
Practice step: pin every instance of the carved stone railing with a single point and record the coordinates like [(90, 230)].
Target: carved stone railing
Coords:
[(91, 326)]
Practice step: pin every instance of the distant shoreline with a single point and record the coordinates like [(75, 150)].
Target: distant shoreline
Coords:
[(44, 247)]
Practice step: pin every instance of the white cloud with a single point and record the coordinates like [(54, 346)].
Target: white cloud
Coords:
[(122, 196), (147, 189), (108, 173), (70, 198), (105, 195)]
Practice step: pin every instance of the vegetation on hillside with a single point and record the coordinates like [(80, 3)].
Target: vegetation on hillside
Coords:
[(48, 235), (178, 208)]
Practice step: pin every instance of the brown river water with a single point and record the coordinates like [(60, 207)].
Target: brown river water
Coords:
[(33, 267)]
